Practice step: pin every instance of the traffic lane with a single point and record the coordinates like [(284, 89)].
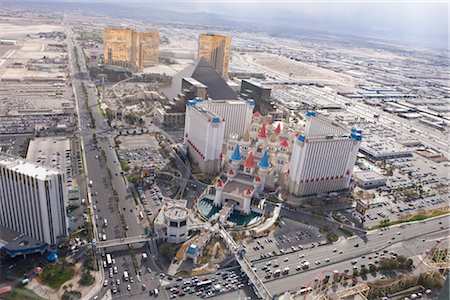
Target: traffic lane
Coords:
[(306, 278), (348, 248), (123, 262), (350, 256), (103, 200)]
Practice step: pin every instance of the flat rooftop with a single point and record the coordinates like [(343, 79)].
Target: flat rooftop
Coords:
[(368, 175), (236, 188), (176, 212), (13, 241), (26, 167), (50, 152)]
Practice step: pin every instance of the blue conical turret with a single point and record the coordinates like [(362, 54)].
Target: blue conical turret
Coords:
[(236, 153), (264, 163)]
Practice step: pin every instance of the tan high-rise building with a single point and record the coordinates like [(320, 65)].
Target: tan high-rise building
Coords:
[(216, 50), (148, 50), (131, 49)]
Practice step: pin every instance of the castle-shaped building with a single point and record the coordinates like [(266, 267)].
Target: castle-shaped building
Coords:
[(313, 158)]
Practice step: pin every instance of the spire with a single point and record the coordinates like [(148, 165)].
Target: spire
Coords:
[(262, 132), (284, 143), (246, 136), (264, 163), (256, 114), (236, 153), (273, 138), (250, 162), (278, 129)]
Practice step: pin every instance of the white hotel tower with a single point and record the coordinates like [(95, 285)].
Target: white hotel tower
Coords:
[(203, 137), (208, 123), (323, 157), (32, 199)]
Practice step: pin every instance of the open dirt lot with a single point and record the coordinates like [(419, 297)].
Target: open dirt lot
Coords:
[(12, 28), (301, 71)]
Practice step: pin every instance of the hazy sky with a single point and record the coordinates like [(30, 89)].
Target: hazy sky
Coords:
[(419, 22)]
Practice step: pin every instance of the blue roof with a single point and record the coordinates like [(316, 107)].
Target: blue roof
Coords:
[(192, 249), (310, 113), (236, 153), (216, 120), (190, 103), (301, 138), (356, 136), (353, 129), (52, 256), (251, 102), (264, 163)]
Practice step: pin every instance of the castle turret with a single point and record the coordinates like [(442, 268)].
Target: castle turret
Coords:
[(236, 158), (248, 194), (250, 164), (264, 168), (278, 129), (219, 190), (257, 183)]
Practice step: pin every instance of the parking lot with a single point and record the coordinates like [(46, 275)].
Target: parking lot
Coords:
[(289, 236), (141, 150)]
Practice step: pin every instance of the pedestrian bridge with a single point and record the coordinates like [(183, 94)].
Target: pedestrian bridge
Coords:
[(123, 241), (261, 289)]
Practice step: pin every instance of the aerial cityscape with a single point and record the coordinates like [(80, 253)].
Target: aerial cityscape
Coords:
[(241, 150)]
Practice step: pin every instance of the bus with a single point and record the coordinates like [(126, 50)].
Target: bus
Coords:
[(108, 259), (125, 275), (305, 290), (204, 283)]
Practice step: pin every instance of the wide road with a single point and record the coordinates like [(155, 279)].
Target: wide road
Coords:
[(374, 241), (97, 164)]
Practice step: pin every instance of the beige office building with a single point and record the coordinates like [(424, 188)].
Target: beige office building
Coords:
[(216, 50), (131, 49)]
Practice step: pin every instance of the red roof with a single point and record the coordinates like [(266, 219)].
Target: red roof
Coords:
[(262, 132), (248, 192), (5, 289), (270, 121), (257, 178), (278, 129), (230, 171), (284, 143), (219, 183), (250, 162), (256, 114)]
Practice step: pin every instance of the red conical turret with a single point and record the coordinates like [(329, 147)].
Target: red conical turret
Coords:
[(262, 132)]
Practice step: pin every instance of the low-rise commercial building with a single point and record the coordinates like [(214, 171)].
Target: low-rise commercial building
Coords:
[(369, 179)]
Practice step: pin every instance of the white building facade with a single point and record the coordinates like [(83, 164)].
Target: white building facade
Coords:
[(322, 158), (175, 218), (237, 114), (33, 200), (204, 137)]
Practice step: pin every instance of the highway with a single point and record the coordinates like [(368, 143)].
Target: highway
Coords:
[(392, 238)]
